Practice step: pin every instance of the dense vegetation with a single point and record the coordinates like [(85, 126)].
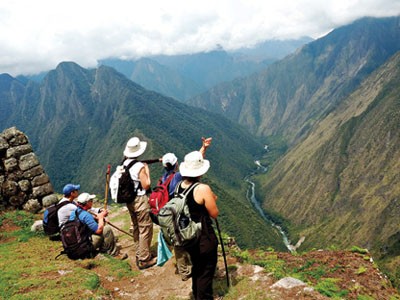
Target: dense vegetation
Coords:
[(79, 121), (343, 178)]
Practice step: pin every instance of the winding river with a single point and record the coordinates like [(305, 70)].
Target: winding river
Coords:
[(256, 204)]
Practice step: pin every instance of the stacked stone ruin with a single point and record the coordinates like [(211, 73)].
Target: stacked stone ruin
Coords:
[(23, 182)]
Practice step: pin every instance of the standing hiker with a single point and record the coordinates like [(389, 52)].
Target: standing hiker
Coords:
[(71, 192), (139, 207), (103, 238), (202, 207), (170, 163)]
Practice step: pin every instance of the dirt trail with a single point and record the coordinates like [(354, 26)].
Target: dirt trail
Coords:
[(152, 283), (356, 275)]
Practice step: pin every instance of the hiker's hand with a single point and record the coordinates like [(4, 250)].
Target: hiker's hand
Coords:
[(206, 142), (103, 214)]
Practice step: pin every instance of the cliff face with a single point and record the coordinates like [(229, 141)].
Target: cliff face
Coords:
[(341, 185), (23, 181)]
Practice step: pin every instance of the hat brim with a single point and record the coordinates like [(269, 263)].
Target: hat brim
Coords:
[(187, 172), (89, 198), (69, 188), (137, 153)]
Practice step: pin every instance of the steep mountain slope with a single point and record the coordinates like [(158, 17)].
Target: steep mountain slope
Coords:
[(185, 76), (157, 77), (79, 120), (210, 68), (289, 96), (341, 185), (271, 50)]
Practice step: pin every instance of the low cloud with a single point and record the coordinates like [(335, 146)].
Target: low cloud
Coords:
[(37, 35)]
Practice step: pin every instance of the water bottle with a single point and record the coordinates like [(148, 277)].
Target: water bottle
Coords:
[(183, 222)]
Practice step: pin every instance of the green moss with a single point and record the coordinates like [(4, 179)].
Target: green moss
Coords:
[(329, 288)]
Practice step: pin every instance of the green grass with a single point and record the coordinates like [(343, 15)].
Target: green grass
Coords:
[(329, 288), (30, 270), (357, 249)]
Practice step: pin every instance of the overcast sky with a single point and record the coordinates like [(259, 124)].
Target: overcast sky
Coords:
[(37, 35)]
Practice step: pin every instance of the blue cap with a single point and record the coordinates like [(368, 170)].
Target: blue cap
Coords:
[(69, 188)]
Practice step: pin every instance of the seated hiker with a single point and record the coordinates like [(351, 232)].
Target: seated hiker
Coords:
[(71, 192), (170, 163), (103, 238)]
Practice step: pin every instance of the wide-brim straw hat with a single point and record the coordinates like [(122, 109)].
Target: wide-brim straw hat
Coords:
[(134, 147), (194, 165)]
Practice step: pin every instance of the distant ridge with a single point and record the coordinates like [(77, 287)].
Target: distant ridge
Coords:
[(184, 76), (289, 96)]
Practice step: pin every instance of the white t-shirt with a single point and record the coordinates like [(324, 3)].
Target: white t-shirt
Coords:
[(65, 211), (134, 172)]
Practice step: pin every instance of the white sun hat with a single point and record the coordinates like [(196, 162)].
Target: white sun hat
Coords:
[(194, 165), (134, 147), (169, 158), (85, 198)]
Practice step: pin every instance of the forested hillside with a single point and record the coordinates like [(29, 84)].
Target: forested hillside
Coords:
[(341, 185), (78, 121)]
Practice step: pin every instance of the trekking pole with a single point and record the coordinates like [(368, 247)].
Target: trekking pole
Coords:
[(112, 225), (223, 252), (107, 181), (150, 161)]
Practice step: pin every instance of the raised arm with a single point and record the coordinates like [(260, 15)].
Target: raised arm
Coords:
[(205, 145)]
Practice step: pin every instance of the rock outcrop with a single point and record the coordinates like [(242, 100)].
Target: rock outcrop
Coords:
[(23, 182)]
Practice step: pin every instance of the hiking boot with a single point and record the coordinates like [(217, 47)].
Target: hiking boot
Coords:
[(147, 264), (186, 277), (122, 256), (118, 254)]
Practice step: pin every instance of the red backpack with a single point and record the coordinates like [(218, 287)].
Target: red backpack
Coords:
[(159, 197)]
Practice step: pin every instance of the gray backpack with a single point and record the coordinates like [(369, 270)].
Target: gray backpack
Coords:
[(177, 227)]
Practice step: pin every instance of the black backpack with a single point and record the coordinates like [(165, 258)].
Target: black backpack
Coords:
[(76, 239), (123, 188), (50, 218)]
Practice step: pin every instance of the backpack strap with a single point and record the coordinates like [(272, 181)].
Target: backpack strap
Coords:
[(77, 214), (130, 165), (59, 205), (187, 190), (168, 180)]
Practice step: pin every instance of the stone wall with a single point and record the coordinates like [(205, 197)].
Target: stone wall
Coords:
[(23, 182)]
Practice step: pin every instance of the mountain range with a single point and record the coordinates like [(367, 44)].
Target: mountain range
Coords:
[(335, 104), (288, 97), (185, 76), (329, 114), (78, 121)]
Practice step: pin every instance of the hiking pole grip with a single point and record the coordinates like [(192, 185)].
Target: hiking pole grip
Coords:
[(107, 182), (223, 252)]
